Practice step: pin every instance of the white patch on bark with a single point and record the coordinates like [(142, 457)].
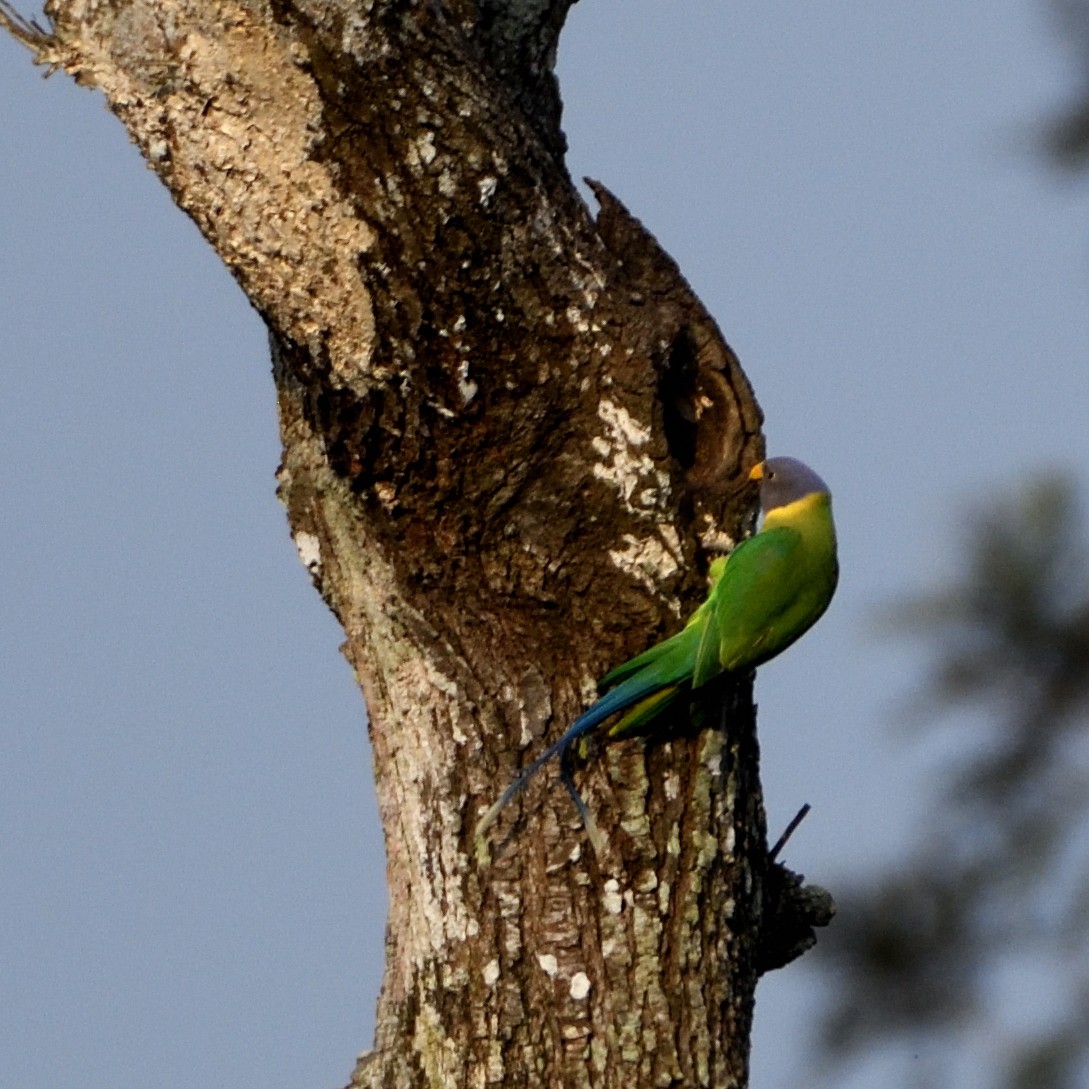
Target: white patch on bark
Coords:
[(309, 550), (671, 786), (578, 320), (491, 973), (580, 986), (622, 425), (717, 540), (448, 185), (650, 559), (673, 846), (730, 842), (385, 493), (466, 386), (613, 901), (422, 152), (548, 963), (487, 187), (642, 486), (713, 760)]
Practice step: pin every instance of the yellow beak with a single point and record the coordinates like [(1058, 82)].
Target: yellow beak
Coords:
[(757, 472)]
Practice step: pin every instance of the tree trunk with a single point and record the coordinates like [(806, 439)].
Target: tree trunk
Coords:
[(511, 437)]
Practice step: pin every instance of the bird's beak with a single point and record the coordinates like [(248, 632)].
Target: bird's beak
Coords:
[(757, 472)]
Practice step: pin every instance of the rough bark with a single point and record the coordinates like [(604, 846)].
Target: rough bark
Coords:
[(511, 433)]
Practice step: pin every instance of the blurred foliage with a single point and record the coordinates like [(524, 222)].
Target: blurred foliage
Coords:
[(982, 931), (1066, 138), (976, 942)]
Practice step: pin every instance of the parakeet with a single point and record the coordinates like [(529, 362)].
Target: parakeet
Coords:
[(764, 595)]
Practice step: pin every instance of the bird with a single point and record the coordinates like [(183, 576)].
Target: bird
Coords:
[(764, 595)]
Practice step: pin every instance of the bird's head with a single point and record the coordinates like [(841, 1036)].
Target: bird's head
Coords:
[(784, 481)]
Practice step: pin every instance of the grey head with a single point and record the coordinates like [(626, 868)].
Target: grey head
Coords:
[(785, 480)]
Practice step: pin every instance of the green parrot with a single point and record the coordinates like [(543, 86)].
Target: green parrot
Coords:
[(764, 595)]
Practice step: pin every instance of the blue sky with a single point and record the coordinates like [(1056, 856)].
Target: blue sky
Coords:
[(191, 856)]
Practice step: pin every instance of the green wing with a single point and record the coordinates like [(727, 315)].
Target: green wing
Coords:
[(668, 661), (674, 657), (754, 609), (764, 595)]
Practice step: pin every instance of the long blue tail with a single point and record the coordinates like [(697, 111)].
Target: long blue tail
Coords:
[(623, 696)]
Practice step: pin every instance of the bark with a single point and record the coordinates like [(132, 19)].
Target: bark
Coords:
[(511, 434)]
